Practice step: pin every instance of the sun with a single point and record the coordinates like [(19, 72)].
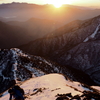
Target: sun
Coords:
[(59, 3)]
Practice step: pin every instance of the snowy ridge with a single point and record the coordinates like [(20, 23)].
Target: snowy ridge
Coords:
[(14, 65), (5, 60), (12, 56), (92, 35), (47, 87)]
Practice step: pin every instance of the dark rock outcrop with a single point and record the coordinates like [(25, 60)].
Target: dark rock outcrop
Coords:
[(86, 95)]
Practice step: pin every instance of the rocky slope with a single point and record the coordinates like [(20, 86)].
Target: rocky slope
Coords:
[(17, 66), (68, 46), (85, 57)]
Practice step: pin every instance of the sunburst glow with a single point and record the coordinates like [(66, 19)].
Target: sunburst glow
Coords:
[(59, 3)]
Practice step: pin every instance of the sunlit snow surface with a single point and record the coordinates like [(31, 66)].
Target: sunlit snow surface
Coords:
[(49, 85)]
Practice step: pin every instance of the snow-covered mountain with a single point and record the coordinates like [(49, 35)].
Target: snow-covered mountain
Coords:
[(17, 66), (56, 87), (75, 44)]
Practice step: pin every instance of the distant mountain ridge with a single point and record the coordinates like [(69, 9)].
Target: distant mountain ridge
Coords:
[(36, 27), (64, 15), (14, 33), (11, 36), (68, 45)]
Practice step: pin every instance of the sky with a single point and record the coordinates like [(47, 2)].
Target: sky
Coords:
[(73, 2)]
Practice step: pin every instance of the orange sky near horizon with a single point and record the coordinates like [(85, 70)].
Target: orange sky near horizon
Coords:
[(72, 2)]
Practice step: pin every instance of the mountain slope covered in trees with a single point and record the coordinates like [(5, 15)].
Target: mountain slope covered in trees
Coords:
[(75, 44)]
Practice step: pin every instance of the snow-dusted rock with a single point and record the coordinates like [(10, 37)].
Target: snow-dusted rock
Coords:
[(16, 66)]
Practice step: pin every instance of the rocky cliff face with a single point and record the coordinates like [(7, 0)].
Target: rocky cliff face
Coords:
[(76, 44)]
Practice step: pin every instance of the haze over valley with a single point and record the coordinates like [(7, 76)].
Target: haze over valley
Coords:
[(60, 42)]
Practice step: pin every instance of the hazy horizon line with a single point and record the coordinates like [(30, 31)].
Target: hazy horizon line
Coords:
[(51, 4)]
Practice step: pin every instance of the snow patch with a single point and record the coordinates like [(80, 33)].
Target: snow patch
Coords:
[(48, 86), (92, 35), (96, 87)]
